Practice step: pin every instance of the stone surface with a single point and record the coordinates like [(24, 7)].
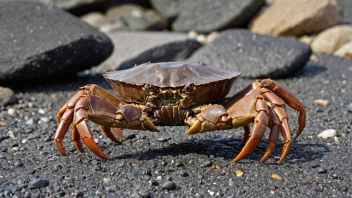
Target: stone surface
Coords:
[(345, 51), (170, 9), (70, 4), (7, 96), (139, 47), (35, 48), (95, 19), (207, 15), (135, 17), (346, 5), (332, 39), (296, 18), (257, 56)]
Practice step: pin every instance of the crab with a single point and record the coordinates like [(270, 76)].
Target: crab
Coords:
[(178, 93)]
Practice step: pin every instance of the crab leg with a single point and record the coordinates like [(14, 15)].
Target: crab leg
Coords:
[(76, 138), (289, 99), (81, 122), (260, 124), (65, 122), (107, 132)]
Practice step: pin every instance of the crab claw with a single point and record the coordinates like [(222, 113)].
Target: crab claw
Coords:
[(131, 117)]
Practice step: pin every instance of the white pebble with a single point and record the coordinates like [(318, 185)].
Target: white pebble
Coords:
[(11, 111), (193, 34), (41, 111), (329, 133), (158, 177), (337, 141), (29, 121), (11, 134), (211, 192), (106, 180), (44, 119), (24, 141), (321, 102), (201, 38)]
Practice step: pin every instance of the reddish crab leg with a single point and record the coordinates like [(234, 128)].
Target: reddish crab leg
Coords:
[(118, 132), (76, 138), (107, 131), (246, 134), (65, 122), (289, 99), (286, 134), (81, 121), (260, 124), (70, 104)]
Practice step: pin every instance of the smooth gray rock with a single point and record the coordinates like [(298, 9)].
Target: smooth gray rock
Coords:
[(139, 47), (170, 9), (207, 15), (257, 56), (346, 5), (136, 17), (40, 41)]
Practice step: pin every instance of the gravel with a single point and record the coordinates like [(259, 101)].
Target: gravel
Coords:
[(82, 174)]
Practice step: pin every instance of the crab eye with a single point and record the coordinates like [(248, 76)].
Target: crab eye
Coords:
[(189, 87), (149, 87)]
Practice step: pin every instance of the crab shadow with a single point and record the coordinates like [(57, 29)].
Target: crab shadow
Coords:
[(228, 148)]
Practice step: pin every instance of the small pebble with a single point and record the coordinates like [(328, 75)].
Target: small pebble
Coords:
[(201, 38), (159, 177), (329, 133), (41, 111), (322, 170), (130, 136), (184, 173), (45, 119), (30, 121), (169, 185), (11, 111), (239, 173), (193, 34), (321, 102), (179, 164), (42, 183), (11, 134), (153, 183), (147, 172), (207, 164), (106, 180), (99, 192), (277, 177), (163, 140)]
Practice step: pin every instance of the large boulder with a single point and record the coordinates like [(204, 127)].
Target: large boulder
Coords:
[(332, 39), (346, 5), (257, 56), (298, 17), (208, 15), (40, 41), (139, 47)]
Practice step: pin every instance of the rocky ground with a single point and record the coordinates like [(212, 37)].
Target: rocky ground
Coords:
[(46, 46)]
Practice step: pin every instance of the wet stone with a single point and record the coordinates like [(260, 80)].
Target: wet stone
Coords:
[(163, 140), (169, 185), (42, 183), (206, 164), (322, 170), (184, 173)]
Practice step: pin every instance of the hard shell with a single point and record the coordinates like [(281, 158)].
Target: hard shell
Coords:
[(212, 84)]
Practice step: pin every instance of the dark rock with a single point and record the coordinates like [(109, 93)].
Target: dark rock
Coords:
[(207, 15), (140, 47), (169, 185), (163, 140), (184, 173), (179, 164), (42, 183), (7, 96), (322, 170), (34, 49), (153, 183), (257, 56), (147, 172), (135, 18), (130, 136)]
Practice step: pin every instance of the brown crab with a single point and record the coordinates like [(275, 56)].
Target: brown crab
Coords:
[(179, 93)]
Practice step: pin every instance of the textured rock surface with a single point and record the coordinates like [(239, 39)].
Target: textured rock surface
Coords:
[(208, 15), (345, 51), (255, 55), (332, 39), (139, 47), (7, 96), (143, 164), (296, 18), (70, 4), (95, 19), (346, 5), (135, 17), (170, 9), (35, 48)]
